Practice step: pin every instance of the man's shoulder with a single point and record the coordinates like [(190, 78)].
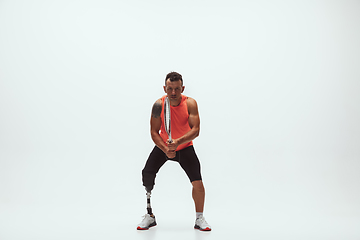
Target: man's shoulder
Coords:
[(156, 109), (191, 104), (190, 100), (158, 101)]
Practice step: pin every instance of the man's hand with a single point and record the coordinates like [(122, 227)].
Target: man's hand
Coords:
[(171, 154), (172, 145), (171, 148)]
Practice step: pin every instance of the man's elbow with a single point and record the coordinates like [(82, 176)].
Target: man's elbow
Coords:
[(197, 132), (153, 134)]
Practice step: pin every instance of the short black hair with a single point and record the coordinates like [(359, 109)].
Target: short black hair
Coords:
[(174, 76)]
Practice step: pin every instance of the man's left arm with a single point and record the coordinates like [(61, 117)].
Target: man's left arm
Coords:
[(194, 123)]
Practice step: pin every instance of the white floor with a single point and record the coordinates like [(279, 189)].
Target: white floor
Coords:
[(21, 222), (86, 202)]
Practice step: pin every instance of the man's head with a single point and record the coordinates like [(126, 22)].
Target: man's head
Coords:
[(174, 76), (174, 86)]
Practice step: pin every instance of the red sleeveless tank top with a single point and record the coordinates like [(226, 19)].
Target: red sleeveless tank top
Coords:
[(179, 122)]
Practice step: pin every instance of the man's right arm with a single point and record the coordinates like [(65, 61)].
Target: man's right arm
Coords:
[(155, 124)]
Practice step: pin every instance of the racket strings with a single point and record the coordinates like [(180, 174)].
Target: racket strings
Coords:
[(167, 117)]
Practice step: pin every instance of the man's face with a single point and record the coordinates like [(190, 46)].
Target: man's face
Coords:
[(174, 90)]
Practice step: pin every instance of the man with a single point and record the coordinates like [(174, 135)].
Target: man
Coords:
[(185, 127)]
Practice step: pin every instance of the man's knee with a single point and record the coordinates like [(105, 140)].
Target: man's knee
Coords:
[(198, 186), (148, 180)]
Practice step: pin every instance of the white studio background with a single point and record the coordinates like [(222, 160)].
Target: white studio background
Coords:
[(277, 84)]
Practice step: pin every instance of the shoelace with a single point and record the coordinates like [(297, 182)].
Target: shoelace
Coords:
[(146, 216), (202, 220)]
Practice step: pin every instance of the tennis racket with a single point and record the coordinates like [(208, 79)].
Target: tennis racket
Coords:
[(167, 118)]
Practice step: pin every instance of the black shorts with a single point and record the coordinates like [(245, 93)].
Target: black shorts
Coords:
[(186, 158)]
